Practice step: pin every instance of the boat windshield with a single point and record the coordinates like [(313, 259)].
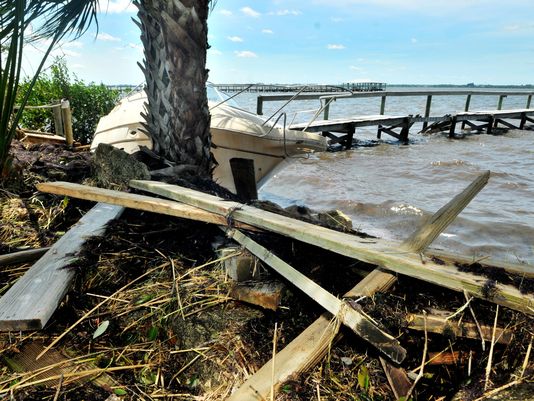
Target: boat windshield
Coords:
[(216, 96)]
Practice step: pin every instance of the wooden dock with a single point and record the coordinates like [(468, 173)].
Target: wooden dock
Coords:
[(311, 88), (341, 131)]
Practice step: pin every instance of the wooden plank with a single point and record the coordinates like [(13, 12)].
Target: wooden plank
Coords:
[(513, 268), (134, 201), (387, 254), (22, 256), (355, 320), (435, 225), (32, 300), (427, 110), (440, 325)]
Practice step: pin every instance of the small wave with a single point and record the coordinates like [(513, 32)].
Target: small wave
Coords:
[(451, 163), (405, 209)]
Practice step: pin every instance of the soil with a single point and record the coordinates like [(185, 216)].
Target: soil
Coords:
[(174, 333)]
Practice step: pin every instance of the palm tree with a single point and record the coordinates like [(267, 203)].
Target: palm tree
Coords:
[(174, 34)]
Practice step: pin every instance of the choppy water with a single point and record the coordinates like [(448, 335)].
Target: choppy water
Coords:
[(388, 188)]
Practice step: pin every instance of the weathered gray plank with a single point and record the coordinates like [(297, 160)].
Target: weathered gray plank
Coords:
[(31, 301)]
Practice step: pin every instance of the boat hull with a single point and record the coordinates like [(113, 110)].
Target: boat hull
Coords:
[(235, 134)]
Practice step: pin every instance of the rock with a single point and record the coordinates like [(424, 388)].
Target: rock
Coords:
[(114, 168), (336, 220)]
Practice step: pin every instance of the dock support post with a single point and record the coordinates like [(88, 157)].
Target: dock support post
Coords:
[(453, 127), (427, 110), (67, 122), (259, 105), (58, 120), (491, 121), (326, 110), (406, 129), (466, 108), (529, 100), (501, 100), (523, 120), (383, 105), (349, 136)]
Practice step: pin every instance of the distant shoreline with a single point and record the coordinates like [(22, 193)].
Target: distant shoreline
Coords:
[(525, 86)]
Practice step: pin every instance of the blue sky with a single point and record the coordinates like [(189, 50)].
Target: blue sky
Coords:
[(331, 41)]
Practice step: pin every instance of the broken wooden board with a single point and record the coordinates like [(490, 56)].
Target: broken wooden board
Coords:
[(266, 294), (376, 281), (31, 301), (304, 352), (357, 321), (133, 201), (387, 254), (434, 226)]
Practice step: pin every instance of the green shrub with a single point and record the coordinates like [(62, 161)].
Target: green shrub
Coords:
[(88, 102)]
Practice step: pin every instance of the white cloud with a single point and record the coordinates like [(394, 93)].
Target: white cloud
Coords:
[(245, 54), (118, 6), (226, 13), (69, 53), (136, 46), (106, 37), (267, 31), (356, 68), (250, 12), (335, 47), (286, 12), (234, 39)]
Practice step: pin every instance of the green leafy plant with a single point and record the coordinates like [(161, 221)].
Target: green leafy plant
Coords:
[(88, 102), (16, 16)]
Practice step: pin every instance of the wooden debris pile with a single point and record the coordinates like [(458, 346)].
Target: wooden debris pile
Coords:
[(397, 309)]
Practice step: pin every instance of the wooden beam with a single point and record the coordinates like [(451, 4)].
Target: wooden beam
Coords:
[(434, 226), (440, 325), (358, 322), (134, 201), (66, 115), (513, 268), (22, 256), (387, 254), (427, 110), (32, 300)]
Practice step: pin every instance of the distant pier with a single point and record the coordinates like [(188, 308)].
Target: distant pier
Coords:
[(312, 88)]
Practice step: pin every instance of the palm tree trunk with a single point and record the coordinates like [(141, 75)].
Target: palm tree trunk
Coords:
[(174, 35)]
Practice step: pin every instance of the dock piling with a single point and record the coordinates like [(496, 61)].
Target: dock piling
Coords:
[(427, 110), (383, 105)]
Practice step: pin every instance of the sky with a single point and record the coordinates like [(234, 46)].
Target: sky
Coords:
[(328, 41)]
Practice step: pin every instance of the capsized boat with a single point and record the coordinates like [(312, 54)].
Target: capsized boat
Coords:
[(236, 134)]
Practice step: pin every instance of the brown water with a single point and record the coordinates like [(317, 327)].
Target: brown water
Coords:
[(388, 188)]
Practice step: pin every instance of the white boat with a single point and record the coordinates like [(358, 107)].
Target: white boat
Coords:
[(235, 133)]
